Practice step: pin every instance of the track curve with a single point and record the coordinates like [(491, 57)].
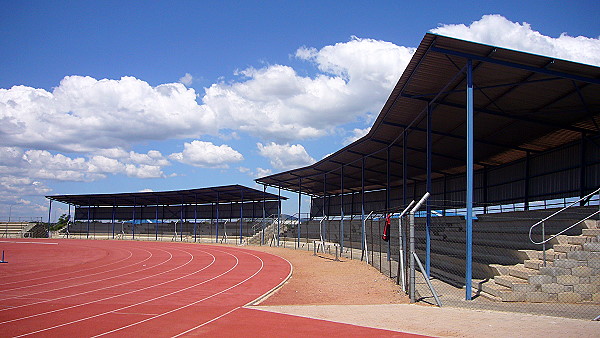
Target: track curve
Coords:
[(100, 288)]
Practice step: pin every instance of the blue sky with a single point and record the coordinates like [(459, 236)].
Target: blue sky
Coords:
[(115, 96)]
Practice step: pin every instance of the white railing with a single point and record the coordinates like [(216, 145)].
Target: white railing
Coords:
[(541, 222)]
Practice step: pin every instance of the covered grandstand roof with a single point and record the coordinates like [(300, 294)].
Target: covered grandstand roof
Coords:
[(222, 194), (523, 104)]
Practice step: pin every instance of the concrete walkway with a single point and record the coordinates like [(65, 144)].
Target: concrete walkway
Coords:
[(445, 321)]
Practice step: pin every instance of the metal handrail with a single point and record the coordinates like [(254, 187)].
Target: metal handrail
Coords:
[(597, 191)]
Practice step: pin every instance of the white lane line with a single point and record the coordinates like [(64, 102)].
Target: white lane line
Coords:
[(206, 323), (72, 278), (95, 290), (262, 264), (45, 243), (134, 314), (114, 296), (67, 273)]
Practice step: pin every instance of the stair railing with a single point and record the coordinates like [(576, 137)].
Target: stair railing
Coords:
[(543, 220)]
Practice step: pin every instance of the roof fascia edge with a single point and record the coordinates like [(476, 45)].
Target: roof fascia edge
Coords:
[(515, 65)]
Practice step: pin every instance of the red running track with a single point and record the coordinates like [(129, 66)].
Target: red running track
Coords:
[(87, 288)]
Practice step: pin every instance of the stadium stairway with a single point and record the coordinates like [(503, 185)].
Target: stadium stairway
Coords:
[(571, 273)]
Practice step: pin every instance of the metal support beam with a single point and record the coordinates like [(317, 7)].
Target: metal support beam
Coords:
[(526, 182), (428, 202), (113, 217), (469, 188), (217, 220), (278, 213), (133, 220), (181, 219), (323, 229), (156, 220), (299, 211), (195, 217), (262, 236), (541, 70), (388, 189), (49, 219), (88, 222), (404, 165), (342, 209), (582, 173), (241, 215), (362, 212)]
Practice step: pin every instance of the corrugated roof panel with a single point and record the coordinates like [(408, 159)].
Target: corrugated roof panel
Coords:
[(523, 102)]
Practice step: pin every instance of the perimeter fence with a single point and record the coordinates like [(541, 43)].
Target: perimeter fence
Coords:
[(510, 271)]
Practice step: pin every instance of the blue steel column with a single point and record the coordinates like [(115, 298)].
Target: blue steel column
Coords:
[(133, 220), (49, 216), (404, 169), (342, 210), (241, 214), (322, 230), (217, 224), (299, 208), (195, 217), (88, 220), (387, 199), (68, 219), (181, 220), (363, 237), (262, 237), (428, 202), (156, 220), (469, 197), (113, 218), (278, 213)]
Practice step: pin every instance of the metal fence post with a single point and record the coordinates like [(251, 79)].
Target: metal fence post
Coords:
[(411, 241), (544, 243)]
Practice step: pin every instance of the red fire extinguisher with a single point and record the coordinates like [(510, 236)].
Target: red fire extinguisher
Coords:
[(386, 229)]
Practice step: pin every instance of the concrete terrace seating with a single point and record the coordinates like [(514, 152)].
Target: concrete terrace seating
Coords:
[(15, 229)]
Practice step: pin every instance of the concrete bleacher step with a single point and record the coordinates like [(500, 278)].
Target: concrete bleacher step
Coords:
[(595, 246), (521, 271), (509, 281), (566, 247), (499, 292), (579, 240), (591, 232), (551, 255), (536, 264)]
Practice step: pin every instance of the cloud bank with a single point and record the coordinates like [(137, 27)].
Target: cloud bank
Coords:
[(498, 31), (84, 128)]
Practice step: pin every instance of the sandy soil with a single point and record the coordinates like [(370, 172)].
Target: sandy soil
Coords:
[(353, 292), (320, 280)]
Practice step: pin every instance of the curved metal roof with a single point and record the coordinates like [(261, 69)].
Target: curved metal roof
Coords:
[(523, 103), (222, 194)]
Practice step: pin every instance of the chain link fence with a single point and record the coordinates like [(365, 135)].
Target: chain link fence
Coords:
[(509, 271)]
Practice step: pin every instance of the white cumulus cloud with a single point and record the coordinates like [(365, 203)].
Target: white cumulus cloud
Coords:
[(276, 103), (207, 155), (498, 31), (187, 79), (356, 134), (285, 156), (83, 114)]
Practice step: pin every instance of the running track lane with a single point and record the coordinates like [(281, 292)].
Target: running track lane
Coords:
[(88, 288)]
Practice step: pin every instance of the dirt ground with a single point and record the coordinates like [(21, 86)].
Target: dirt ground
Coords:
[(320, 280), (353, 292)]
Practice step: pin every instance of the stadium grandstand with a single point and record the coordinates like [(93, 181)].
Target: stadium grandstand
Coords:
[(225, 213), (483, 167), (499, 140)]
